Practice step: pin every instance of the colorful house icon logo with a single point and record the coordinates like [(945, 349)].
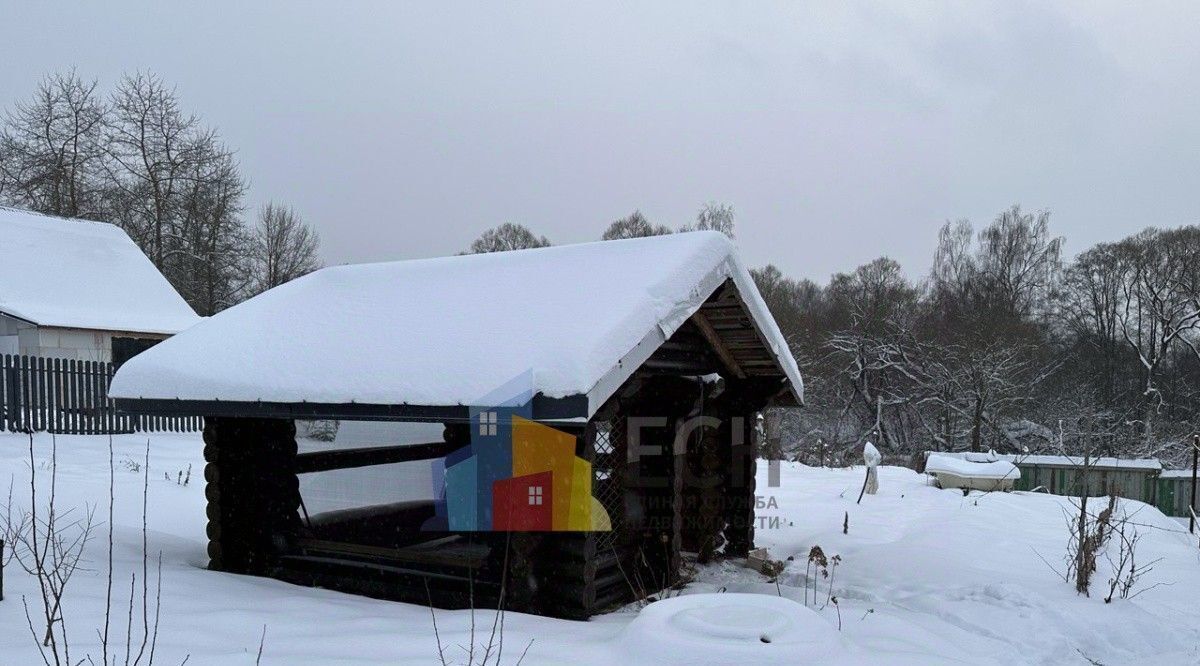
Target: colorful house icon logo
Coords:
[(518, 475)]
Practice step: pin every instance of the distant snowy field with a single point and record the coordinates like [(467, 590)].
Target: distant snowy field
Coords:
[(927, 577)]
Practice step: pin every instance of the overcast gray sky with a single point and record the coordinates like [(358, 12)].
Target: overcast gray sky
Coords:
[(838, 131)]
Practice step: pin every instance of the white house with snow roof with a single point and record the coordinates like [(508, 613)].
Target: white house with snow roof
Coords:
[(82, 290)]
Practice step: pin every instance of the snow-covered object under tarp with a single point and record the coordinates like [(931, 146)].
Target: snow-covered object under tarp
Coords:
[(1103, 462), (62, 273), (997, 469), (577, 320)]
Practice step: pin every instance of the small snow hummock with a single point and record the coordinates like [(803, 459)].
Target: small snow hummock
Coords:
[(729, 628)]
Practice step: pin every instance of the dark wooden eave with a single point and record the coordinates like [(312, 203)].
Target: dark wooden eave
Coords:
[(726, 317), (722, 337)]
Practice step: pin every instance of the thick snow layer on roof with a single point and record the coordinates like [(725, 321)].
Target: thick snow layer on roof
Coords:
[(1055, 461), (946, 464), (449, 331), (1176, 474), (1077, 461), (79, 274)]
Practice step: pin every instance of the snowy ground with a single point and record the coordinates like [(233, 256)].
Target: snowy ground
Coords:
[(927, 576)]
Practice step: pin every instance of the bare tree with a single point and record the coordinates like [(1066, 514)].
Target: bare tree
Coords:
[(714, 216), (1091, 303), (1000, 344), (1157, 312), (634, 225), (1019, 261), (209, 258), (48, 545), (52, 149), (992, 381), (1008, 279), (177, 191), (152, 144), (795, 305), (139, 160), (507, 236), (871, 296), (284, 247)]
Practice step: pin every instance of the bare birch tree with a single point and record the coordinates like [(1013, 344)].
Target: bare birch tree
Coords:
[(1156, 311), (714, 216), (284, 247)]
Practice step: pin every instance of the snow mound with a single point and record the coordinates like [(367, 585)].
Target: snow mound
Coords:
[(728, 629)]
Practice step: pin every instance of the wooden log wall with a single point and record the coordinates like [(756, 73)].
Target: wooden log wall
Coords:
[(252, 490), (552, 573), (648, 548), (254, 499)]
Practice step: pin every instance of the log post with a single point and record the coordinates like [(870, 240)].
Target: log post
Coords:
[(564, 574), (739, 493), (252, 490), (1195, 472), (704, 480)]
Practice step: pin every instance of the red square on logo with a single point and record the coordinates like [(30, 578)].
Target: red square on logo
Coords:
[(523, 504)]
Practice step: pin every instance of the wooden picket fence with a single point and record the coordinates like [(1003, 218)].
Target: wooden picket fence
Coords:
[(70, 397)]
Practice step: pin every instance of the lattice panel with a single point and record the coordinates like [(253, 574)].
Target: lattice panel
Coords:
[(607, 482)]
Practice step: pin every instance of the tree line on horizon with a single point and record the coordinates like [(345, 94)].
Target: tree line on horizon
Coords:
[(1005, 345), (713, 216), (135, 158)]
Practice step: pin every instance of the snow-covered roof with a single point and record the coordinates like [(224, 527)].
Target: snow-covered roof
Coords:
[(78, 274), (580, 319), (1176, 474), (1096, 463), (1152, 464)]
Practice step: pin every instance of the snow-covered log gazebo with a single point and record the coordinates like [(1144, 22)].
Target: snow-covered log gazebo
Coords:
[(596, 403)]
